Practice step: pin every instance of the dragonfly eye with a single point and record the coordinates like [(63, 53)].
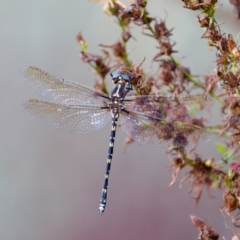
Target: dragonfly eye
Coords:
[(125, 77)]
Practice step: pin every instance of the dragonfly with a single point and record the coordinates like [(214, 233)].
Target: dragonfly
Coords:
[(148, 119)]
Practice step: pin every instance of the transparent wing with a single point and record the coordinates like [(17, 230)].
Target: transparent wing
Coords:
[(160, 133), (76, 118), (60, 90), (169, 109)]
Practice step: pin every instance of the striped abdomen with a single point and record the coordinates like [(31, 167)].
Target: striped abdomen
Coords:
[(103, 199)]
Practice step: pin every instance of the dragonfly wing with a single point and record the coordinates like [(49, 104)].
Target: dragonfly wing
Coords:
[(79, 118), (169, 109), (159, 133), (60, 90)]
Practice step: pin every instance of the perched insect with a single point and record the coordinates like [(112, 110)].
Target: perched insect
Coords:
[(151, 120)]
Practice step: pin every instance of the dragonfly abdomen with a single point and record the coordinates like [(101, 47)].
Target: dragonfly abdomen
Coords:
[(103, 199)]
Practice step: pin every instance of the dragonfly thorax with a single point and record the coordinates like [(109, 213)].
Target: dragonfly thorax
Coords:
[(119, 90), (115, 104)]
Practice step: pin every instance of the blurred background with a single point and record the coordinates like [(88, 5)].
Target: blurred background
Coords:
[(51, 180)]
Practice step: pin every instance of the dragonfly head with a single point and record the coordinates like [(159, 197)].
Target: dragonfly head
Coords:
[(122, 78)]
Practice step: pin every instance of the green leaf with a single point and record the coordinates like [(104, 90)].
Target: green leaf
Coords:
[(229, 156), (222, 149)]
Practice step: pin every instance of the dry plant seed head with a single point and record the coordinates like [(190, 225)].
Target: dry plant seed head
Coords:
[(232, 197), (233, 47), (228, 50), (220, 71), (161, 31), (199, 177), (211, 82), (82, 43), (232, 121), (204, 20), (225, 105), (125, 17), (98, 61), (231, 203), (87, 57), (231, 43), (177, 164), (146, 85), (223, 45), (136, 13), (174, 76), (79, 37), (213, 34), (197, 222), (142, 3), (198, 4), (166, 76), (236, 183), (117, 48), (222, 60), (206, 232), (166, 48), (235, 139), (236, 3), (234, 106), (137, 73), (231, 80), (168, 64)]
